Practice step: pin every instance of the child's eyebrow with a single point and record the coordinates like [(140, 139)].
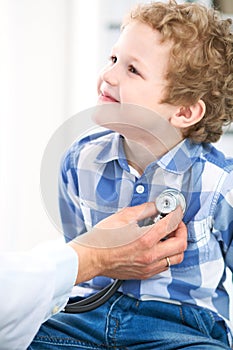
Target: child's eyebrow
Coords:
[(131, 57), (138, 61)]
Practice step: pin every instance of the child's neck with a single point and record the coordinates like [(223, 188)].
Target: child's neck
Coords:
[(141, 153), (139, 156)]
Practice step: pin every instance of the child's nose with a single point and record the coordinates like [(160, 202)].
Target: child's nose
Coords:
[(110, 76)]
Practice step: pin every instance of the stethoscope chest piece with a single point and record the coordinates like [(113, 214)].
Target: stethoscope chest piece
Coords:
[(169, 200)]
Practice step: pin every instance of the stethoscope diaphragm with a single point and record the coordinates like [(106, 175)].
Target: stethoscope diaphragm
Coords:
[(169, 200)]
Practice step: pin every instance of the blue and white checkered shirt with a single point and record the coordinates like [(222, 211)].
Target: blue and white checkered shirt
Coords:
[(96, 181)]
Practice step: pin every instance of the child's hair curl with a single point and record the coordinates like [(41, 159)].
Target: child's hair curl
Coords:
[(200, 64)]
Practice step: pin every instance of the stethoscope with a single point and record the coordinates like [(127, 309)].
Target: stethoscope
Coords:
[(165, 203)]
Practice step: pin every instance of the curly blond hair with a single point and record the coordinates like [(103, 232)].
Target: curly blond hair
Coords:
[(200, 64)]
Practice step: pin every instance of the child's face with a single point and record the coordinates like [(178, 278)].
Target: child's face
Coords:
[(135, 74)]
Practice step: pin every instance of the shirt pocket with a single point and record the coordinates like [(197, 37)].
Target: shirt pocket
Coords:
[(198, 249)]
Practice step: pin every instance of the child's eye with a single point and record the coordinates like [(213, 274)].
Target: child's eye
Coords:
[(133, 70), (113, 59)]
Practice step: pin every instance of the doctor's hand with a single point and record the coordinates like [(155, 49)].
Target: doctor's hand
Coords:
[(119, 248)]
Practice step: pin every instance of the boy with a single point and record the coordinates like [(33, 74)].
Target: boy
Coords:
[(177, 61)]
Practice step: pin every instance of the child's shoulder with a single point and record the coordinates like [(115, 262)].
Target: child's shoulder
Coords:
[(95, 136), (93, 141), (215, 156)]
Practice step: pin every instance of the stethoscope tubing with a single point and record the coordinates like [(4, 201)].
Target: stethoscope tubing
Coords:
[(94, 301)]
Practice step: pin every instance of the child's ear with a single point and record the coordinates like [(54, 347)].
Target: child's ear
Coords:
[(187, 116)]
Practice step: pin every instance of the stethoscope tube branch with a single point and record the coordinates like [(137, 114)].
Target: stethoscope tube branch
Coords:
[(94, 301)]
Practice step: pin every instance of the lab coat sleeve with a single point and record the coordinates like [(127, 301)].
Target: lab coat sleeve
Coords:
[(34, 286)]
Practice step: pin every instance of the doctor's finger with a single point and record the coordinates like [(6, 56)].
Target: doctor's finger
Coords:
[(128, 216), (175, 244), (139, 212)]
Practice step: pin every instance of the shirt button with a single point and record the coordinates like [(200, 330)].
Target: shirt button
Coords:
[(140, 189)]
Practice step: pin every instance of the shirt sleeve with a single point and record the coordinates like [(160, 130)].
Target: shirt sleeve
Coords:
[(69, 203), (223, 219), (34, 286)]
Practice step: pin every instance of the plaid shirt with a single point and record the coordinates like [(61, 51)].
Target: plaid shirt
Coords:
[(96, 181)]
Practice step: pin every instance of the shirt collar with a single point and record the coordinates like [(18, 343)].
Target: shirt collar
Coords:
[(112, 148), (178, 160)]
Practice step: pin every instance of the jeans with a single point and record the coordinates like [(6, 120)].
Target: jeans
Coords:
[(127, 323)]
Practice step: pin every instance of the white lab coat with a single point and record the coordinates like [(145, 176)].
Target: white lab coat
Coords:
[(33, 286)]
